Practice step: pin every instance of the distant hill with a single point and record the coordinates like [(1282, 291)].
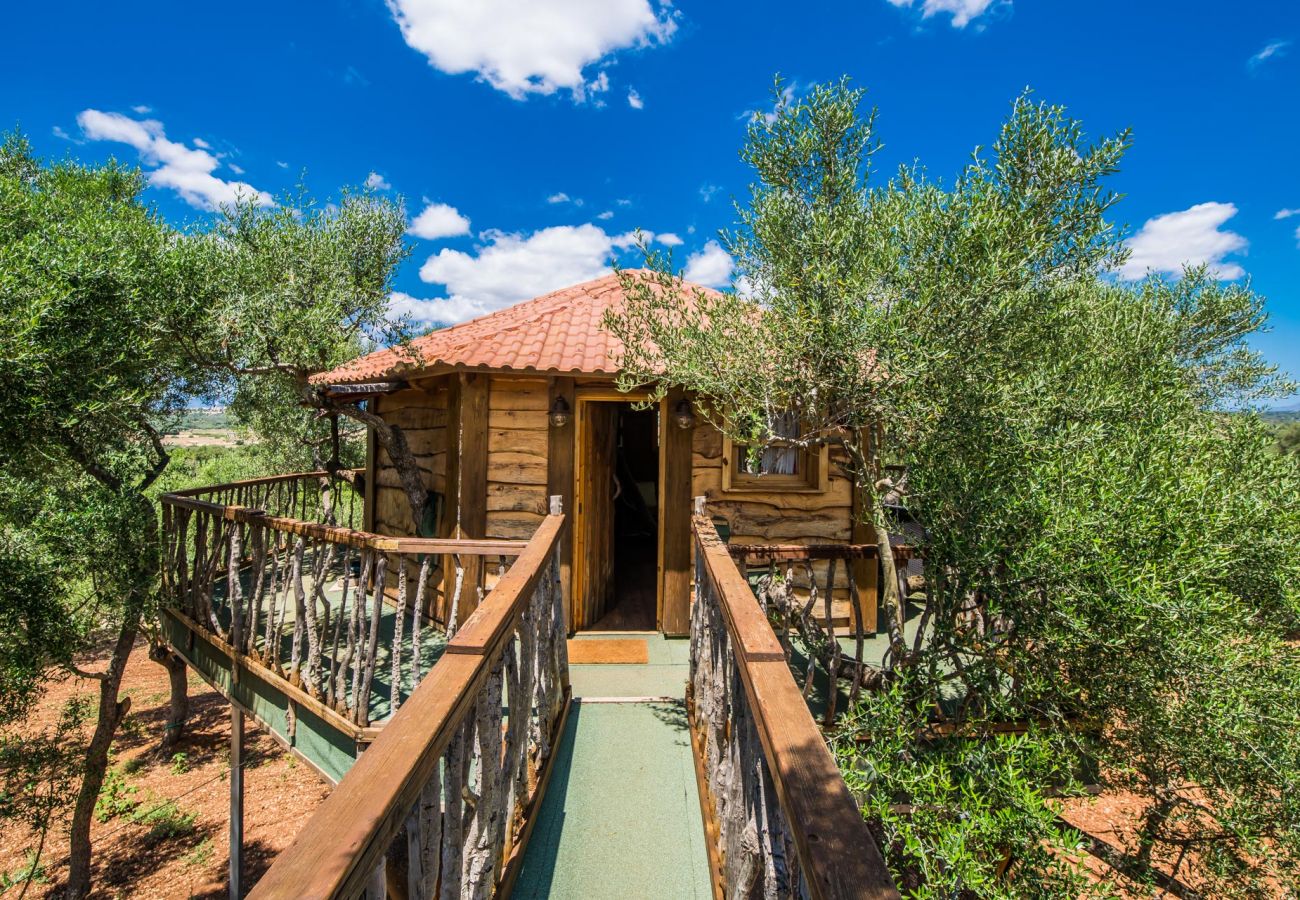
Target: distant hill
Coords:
[(195, 419)]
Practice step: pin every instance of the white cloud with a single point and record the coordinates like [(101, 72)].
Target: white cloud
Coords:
[(527, 47), (377, 182), (634, 99), (1286, 213), (282, 164), (607, 214), (238, 170), (598, 85), (513, 267), (963, 12), (186, 170), (142, 110), (58, 132), (1191, 236), (1274, 50), (707, 191), (668, 239), (1297, 237), (439, 221), (711, 266), (562, 197), (423, 312), (199, 142), (623, 201)]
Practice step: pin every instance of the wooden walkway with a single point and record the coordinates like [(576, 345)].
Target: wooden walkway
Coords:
[(621, 817)]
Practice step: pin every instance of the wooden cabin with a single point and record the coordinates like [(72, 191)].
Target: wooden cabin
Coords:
[(521, 404)]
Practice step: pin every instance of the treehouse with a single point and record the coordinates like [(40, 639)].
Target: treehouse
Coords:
[(504, 411), (475, 637)]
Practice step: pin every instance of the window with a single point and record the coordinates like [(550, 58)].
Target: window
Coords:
[(777, 467)]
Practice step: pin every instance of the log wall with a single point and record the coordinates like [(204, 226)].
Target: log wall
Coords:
[(519, 444), (422, 415), (517, 452), (778, 517), (770, 517)]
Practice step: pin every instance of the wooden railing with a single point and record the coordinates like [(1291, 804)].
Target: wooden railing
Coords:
[(795, 585), (440, 804), (780, 819), (272, 572)]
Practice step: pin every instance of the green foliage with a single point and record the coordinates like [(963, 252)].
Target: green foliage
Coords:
[(1288, 438), (116, 796), (963, 809), (283, 293), (166, 821), (39, 769), (200, 856), (180, 764), (1103, 545), (32, 871), (35, 629), (192, 467)]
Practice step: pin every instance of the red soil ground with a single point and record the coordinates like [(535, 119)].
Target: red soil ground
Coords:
[(280, 794)]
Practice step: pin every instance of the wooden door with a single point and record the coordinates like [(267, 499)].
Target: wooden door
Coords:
[(594, 528)]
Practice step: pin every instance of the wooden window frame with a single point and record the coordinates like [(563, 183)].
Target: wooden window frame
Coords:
[(814, 480)]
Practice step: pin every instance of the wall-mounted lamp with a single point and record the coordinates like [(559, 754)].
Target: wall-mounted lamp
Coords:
[(560, 412), (683, 415)]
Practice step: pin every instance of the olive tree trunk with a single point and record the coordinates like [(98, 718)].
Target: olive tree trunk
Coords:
[(112, 710), (178, 682)]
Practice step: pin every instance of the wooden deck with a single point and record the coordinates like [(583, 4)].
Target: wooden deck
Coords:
[(486, 757)]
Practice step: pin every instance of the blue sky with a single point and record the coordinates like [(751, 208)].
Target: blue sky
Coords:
[(530, 137)]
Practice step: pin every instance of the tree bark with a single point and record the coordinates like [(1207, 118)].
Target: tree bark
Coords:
[(111, 713), (177, 679), (875, 486), (112, 710), (393, 440)]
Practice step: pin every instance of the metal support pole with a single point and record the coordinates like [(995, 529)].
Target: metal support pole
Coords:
[(236, 801)]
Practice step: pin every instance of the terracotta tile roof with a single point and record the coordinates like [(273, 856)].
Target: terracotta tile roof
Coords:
[(558, 332)]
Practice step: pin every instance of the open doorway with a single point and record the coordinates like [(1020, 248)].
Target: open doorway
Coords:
[(618, 517)]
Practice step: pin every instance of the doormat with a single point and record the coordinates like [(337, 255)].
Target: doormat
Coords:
[(609, 651)]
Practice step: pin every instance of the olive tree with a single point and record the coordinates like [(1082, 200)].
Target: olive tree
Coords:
[(1107, 560), (285, 293), (88, 376)]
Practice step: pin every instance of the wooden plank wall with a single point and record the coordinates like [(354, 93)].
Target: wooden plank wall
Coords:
[(779, 517), (517, 450), (422, 416), (775, 517)]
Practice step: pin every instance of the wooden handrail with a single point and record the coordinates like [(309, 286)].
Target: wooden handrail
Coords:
[(254, 482), (837, 856), (489, 624), (351, 537), (338, 851), (902, 552)]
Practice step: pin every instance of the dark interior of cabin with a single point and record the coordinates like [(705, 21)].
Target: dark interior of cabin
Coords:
[(636, 522)]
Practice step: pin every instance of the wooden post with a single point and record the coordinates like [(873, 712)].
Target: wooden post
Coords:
[(674, 519), (236, 801), (472, 470), (372, 472), (866, 572), (560, 447)]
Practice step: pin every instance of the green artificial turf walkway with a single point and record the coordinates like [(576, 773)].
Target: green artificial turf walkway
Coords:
[(621, 817)]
